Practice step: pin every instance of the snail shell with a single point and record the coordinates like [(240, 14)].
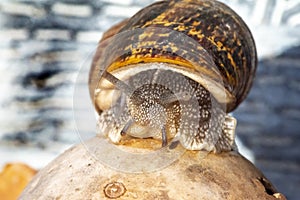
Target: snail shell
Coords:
[(155, 54)]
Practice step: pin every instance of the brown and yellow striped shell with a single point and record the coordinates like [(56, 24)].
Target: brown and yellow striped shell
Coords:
[(216, 32)]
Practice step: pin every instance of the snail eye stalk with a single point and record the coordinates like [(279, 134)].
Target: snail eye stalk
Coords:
[(121, 85)]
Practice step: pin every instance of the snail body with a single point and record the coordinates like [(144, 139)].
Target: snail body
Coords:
[(182, 66)]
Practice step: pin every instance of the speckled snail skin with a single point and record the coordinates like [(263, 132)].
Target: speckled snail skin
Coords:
[(160, 79)]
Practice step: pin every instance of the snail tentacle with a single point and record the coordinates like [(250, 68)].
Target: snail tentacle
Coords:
[(121, 85), (164, 136), (126, 127)]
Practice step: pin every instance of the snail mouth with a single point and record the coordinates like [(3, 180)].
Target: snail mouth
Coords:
[(148, 107)]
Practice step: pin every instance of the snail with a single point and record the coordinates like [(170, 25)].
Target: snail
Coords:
[(174, 71)]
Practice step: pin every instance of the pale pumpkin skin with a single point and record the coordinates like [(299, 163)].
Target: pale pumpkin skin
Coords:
[(76, 174)]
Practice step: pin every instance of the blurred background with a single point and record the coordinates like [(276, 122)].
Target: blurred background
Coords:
[(44, 44)]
